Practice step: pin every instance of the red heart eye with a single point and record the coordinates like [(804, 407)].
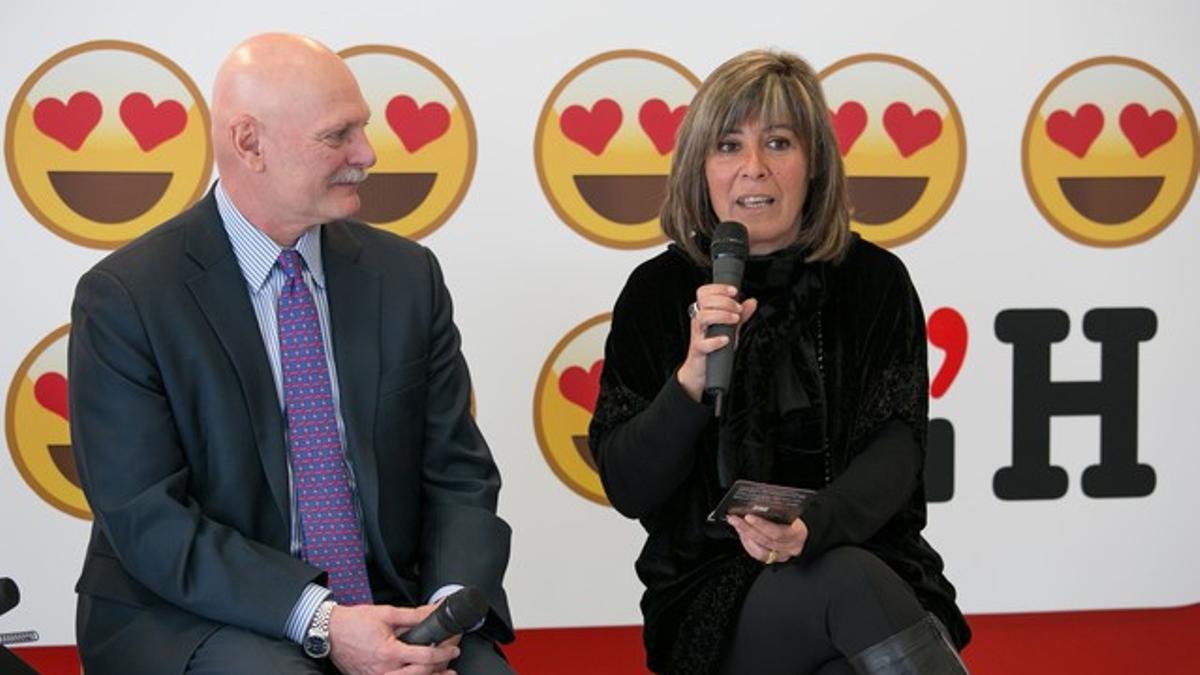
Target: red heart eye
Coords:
[(580, 386), (50, 390), (68, 123), (1146, 132), (911, 132), (152, 125), (661, 123), (417, 126), (594, 128), (848, 123), (1075, 133)]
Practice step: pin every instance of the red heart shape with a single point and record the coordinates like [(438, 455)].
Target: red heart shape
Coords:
[(1147, 132), (50, 390), (1075, 133), (580, 386), (661, 123), (592, 129), (911, 132), (68, 123), (416, 126), (947, 331), (848, 123), (152, 125)]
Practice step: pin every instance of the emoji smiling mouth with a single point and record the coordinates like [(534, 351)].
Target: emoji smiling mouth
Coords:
[(879, 200), (628, 200), (109, 196), (64, 461), (388, 197), (1111, 201), (585, 451)]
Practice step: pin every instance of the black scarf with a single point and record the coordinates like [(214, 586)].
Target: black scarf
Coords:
[(773, 428)]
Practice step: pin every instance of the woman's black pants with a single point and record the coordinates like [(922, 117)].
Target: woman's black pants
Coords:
[(806, 617)]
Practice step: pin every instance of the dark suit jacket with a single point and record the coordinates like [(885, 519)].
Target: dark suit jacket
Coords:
[(179, 439)]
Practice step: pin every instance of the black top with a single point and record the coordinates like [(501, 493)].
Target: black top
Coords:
[(829, 392)]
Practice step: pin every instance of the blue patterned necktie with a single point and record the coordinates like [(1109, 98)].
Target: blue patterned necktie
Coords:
[(332, 537)]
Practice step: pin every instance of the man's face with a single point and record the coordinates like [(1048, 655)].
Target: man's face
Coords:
[(316, 151)]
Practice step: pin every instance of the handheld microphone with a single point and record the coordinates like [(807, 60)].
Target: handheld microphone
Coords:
[(729, 250), (457, 614), (10, 595), (9, 663)]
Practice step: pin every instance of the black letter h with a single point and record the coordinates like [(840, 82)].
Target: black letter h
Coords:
[(1114, 397)]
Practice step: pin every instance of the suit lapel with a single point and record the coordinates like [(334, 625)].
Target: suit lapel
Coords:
[(220, 290), (354, 314)]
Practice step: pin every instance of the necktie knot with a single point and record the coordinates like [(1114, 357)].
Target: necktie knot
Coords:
[(291, 263)]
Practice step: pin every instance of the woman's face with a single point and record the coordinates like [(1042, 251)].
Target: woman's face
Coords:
[(758, 175)]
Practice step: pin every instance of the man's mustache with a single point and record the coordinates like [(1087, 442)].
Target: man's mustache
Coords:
[(349, 176)]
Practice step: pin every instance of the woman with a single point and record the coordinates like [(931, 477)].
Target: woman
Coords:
[(828, 393)]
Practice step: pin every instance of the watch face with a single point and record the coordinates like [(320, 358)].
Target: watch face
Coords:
[(316, 646)]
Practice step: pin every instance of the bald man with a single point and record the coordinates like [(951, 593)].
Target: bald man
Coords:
[(270, 413)]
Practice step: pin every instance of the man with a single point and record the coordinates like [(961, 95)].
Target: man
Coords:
[(270, 413)]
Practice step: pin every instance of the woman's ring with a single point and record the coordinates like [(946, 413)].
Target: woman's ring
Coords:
[(772, 556), (692, 309)]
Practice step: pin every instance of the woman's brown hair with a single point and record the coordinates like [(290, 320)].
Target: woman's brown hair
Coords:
[(773, 88)]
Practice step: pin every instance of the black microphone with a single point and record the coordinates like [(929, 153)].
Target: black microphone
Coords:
[(457, 614), (9, 663), (729, 250), (9, 594)]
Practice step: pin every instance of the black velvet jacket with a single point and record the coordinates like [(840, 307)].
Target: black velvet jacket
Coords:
[(829, 392)]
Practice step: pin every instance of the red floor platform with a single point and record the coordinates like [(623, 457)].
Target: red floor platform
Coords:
[(1152, 641)]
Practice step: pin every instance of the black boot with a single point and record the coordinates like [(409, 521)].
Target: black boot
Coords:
[(921, 649)]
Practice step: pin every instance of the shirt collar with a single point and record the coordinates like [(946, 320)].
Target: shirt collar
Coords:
[(257, 253)]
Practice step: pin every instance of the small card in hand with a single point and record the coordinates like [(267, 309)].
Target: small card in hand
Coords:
[(777, 503)]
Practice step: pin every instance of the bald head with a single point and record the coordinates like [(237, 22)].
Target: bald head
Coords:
[(270, 74), (288, 120)]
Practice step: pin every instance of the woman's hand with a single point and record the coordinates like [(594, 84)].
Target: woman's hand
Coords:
[(770, 542), (715, 304)]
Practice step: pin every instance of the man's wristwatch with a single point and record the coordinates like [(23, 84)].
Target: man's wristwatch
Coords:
[(316, 640)]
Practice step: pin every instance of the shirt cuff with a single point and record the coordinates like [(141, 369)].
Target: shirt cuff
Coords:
[(449, 589), (303, 612)]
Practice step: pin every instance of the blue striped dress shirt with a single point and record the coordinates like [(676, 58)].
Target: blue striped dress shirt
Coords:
[(257, 256)]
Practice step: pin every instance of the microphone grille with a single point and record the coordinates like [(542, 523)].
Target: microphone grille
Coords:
[(466, 608), (9, 594)]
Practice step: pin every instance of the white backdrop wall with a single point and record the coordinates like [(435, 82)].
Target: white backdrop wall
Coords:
[(523, 279)]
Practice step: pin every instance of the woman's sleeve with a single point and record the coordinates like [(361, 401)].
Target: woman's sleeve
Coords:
[(645, 427), (887, 430)]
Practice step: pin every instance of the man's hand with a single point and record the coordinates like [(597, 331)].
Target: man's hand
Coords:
[(363, 642)]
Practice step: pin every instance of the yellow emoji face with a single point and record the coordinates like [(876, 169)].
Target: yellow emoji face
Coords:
[(37, 429), (423, 136), (1109, 152), (564, 402), (604, 144), (106, 140), (902, 142)]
